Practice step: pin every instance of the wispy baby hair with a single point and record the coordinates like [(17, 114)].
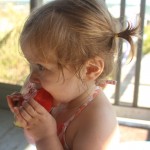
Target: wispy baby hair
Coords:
[(76, 31), (128, 33)]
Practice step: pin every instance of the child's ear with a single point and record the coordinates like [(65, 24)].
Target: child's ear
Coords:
[(94, 68)]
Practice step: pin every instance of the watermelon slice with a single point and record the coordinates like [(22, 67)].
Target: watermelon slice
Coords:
[(44, 98)]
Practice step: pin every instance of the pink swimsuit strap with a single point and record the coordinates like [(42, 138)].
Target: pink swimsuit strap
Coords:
[(63, 126)]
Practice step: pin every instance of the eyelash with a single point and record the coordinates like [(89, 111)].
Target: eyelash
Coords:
[(40, 67)]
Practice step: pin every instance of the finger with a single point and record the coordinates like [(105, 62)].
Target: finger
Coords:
[(19, 117), (10, 103), (36, 106), (24, 114), (29, 109)]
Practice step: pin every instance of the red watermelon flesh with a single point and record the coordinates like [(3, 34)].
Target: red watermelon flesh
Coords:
[(44, 98)]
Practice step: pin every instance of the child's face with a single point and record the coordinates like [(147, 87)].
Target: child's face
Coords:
[(47, 75)]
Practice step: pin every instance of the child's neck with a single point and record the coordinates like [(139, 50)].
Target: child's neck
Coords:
[(80, 100)]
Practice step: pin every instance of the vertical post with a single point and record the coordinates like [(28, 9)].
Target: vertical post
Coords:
[(139, 54), (118, 77), (148, 135), (35, 4)]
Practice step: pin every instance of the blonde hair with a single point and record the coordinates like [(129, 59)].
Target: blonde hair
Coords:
[(76, 31)]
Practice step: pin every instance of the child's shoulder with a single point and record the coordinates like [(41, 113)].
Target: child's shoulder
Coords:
[(99, 109), (98, 122)]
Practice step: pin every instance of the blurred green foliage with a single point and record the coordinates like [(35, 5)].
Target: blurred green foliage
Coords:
[(13, 66), (146, 43)]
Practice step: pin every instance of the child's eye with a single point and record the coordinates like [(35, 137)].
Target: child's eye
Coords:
[(40, 67)]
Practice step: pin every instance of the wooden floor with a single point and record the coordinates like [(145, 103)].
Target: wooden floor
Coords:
[(11, 137)]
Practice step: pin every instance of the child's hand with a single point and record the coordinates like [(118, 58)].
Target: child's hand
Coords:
[(36, 120)]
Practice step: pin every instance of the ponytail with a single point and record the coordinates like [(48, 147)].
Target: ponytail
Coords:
[(128, 33)]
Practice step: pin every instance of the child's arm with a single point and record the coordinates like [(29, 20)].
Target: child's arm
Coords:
[(49, 143), (94, 139)]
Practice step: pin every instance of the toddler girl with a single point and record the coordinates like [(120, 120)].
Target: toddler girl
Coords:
[(71, 46)]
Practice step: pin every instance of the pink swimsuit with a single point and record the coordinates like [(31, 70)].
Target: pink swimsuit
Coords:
[(63, 126)]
